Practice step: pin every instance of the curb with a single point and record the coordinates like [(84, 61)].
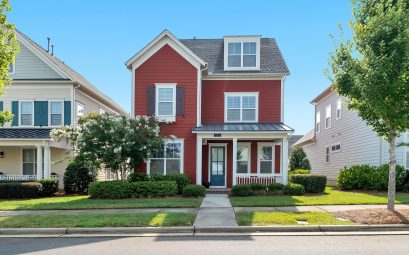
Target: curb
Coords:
[(131, 230), (33, 231)]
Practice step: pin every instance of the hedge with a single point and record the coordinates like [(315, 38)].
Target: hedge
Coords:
[(255, 189), (20, 190), (243, 190), (194, 191), (274, 187), (299, 171), (371, 178), (182, 180), (125, 189), (293, 189), (49, 187), (313, 183)]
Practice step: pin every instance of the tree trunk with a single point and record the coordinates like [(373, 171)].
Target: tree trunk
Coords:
[(392, 174)]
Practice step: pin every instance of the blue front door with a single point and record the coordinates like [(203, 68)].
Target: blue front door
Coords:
[(217, 166)]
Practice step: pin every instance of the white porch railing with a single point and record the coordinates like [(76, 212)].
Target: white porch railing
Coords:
[(21, 177), (259, 179)]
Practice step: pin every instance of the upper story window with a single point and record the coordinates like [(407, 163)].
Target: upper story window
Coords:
[(56, 113), (241, 107), (336, 147), (339, 107), (27, 113), (11, 69), (242, 53), (318, 122), (80, 108), (101, 111), (165, 100), (328, 116)]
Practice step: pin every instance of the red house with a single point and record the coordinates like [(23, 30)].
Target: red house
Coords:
[(222, 99)]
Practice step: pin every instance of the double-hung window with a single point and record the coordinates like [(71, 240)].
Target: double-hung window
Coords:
[(56, 113), (241, 107), (266, 158), (243, 158), (27, 113), (318, 122), (328, 116), (339, 107), (167, 159), (242, 53), (165, 100), (29, 161)]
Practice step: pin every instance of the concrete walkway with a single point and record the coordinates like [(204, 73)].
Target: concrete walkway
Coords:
[(315, 208), (216, 211)]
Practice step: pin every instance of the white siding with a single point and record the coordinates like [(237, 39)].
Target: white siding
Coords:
[(29, 66), (359, 143), (90, 104)]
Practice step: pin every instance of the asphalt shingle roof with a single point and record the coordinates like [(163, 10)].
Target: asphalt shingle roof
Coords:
[(212, 52), (25, 133), (240, 127)]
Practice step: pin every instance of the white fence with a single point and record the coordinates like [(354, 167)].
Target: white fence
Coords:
[(259, 179), (21, 177)]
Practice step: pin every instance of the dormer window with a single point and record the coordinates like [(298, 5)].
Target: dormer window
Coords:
[(241, 53)]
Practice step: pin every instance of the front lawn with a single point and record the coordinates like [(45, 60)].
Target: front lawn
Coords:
[(332, 196), (98, 220), (83, 202), (287, 218)]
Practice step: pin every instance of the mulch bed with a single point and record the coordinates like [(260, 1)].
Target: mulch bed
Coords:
[(375, 216)]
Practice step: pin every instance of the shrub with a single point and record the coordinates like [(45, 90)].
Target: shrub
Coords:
[(154, 189), (194, 191), (138, 177), (380, 177), (20, 190), (274, 187), (256, 186), (182, 180), (299, 171), (242, 190), (313, 183), (294, 189), (50, 187), (299, 160), (77, 177)]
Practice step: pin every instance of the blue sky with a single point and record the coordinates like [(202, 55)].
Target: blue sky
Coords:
[(97, 37)]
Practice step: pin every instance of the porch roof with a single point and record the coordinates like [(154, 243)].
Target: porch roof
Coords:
[(243, 127), (25, 133)]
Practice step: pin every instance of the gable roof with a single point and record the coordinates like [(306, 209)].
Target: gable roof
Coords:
[(309, 137), (65, 71), (212, 52), (322, 95)]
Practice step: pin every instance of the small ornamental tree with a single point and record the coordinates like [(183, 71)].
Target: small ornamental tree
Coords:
[(8, 50), (372, 71), (117, 143), (299, 160)]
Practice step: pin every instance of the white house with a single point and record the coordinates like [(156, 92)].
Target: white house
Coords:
[(341, 138), (45, 94)]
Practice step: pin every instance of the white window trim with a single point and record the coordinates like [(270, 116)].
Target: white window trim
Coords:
[(76, 110), (165, 118), (241, 39), (182, 153), (225, 163), (14, 69), (20, 113), (247, 144), (336, 151), (49, 113), (259, 146), (318, 122), (330, 116), (339, 107), (241, 94)]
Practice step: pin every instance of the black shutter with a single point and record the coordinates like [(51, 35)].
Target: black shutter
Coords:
[(180, 101), (151, 100)]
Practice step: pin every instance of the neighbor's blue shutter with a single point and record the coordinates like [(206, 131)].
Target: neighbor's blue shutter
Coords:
[(67, 113), (1, 106), (41, 113), (14, 110)]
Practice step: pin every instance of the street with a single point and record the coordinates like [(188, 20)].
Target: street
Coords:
[(198, 245)]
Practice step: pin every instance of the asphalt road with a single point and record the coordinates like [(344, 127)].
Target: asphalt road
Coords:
[(198, 245)]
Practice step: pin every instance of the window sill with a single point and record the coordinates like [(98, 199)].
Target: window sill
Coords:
[(168, 119)]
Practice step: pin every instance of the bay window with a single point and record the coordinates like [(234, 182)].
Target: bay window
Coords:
[(167, 159), (241, 107)]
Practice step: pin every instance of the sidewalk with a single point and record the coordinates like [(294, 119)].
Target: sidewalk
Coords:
[(216, 211)]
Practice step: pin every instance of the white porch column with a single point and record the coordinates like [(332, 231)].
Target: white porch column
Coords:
[(234, 159), (199, 143), (284, 160), (39, 162), (47, 162)]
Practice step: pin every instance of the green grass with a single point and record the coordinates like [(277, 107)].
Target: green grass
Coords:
[(83, 202), (98, 220), (286, 218), (330, 197)]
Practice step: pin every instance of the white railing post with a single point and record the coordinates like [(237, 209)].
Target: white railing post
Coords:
[(47, 162), (199, 143), (234, 160), (284, 161), (39, 162)]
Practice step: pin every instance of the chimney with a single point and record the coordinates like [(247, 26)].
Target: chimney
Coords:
[(48, 44), (52, 50)]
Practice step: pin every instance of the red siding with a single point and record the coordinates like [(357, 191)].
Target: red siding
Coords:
[(167, 66), (213, 98), (277, 159)]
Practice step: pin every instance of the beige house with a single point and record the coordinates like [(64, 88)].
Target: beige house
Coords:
[(45, 94)]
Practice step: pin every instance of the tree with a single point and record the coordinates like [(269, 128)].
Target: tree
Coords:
[(372, 71), (8, 50), (117, 143), (299, 160)]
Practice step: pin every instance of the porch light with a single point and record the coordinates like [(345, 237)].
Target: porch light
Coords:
[(1, 154)]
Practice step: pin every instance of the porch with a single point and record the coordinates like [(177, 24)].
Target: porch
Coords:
[(229, 154)]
